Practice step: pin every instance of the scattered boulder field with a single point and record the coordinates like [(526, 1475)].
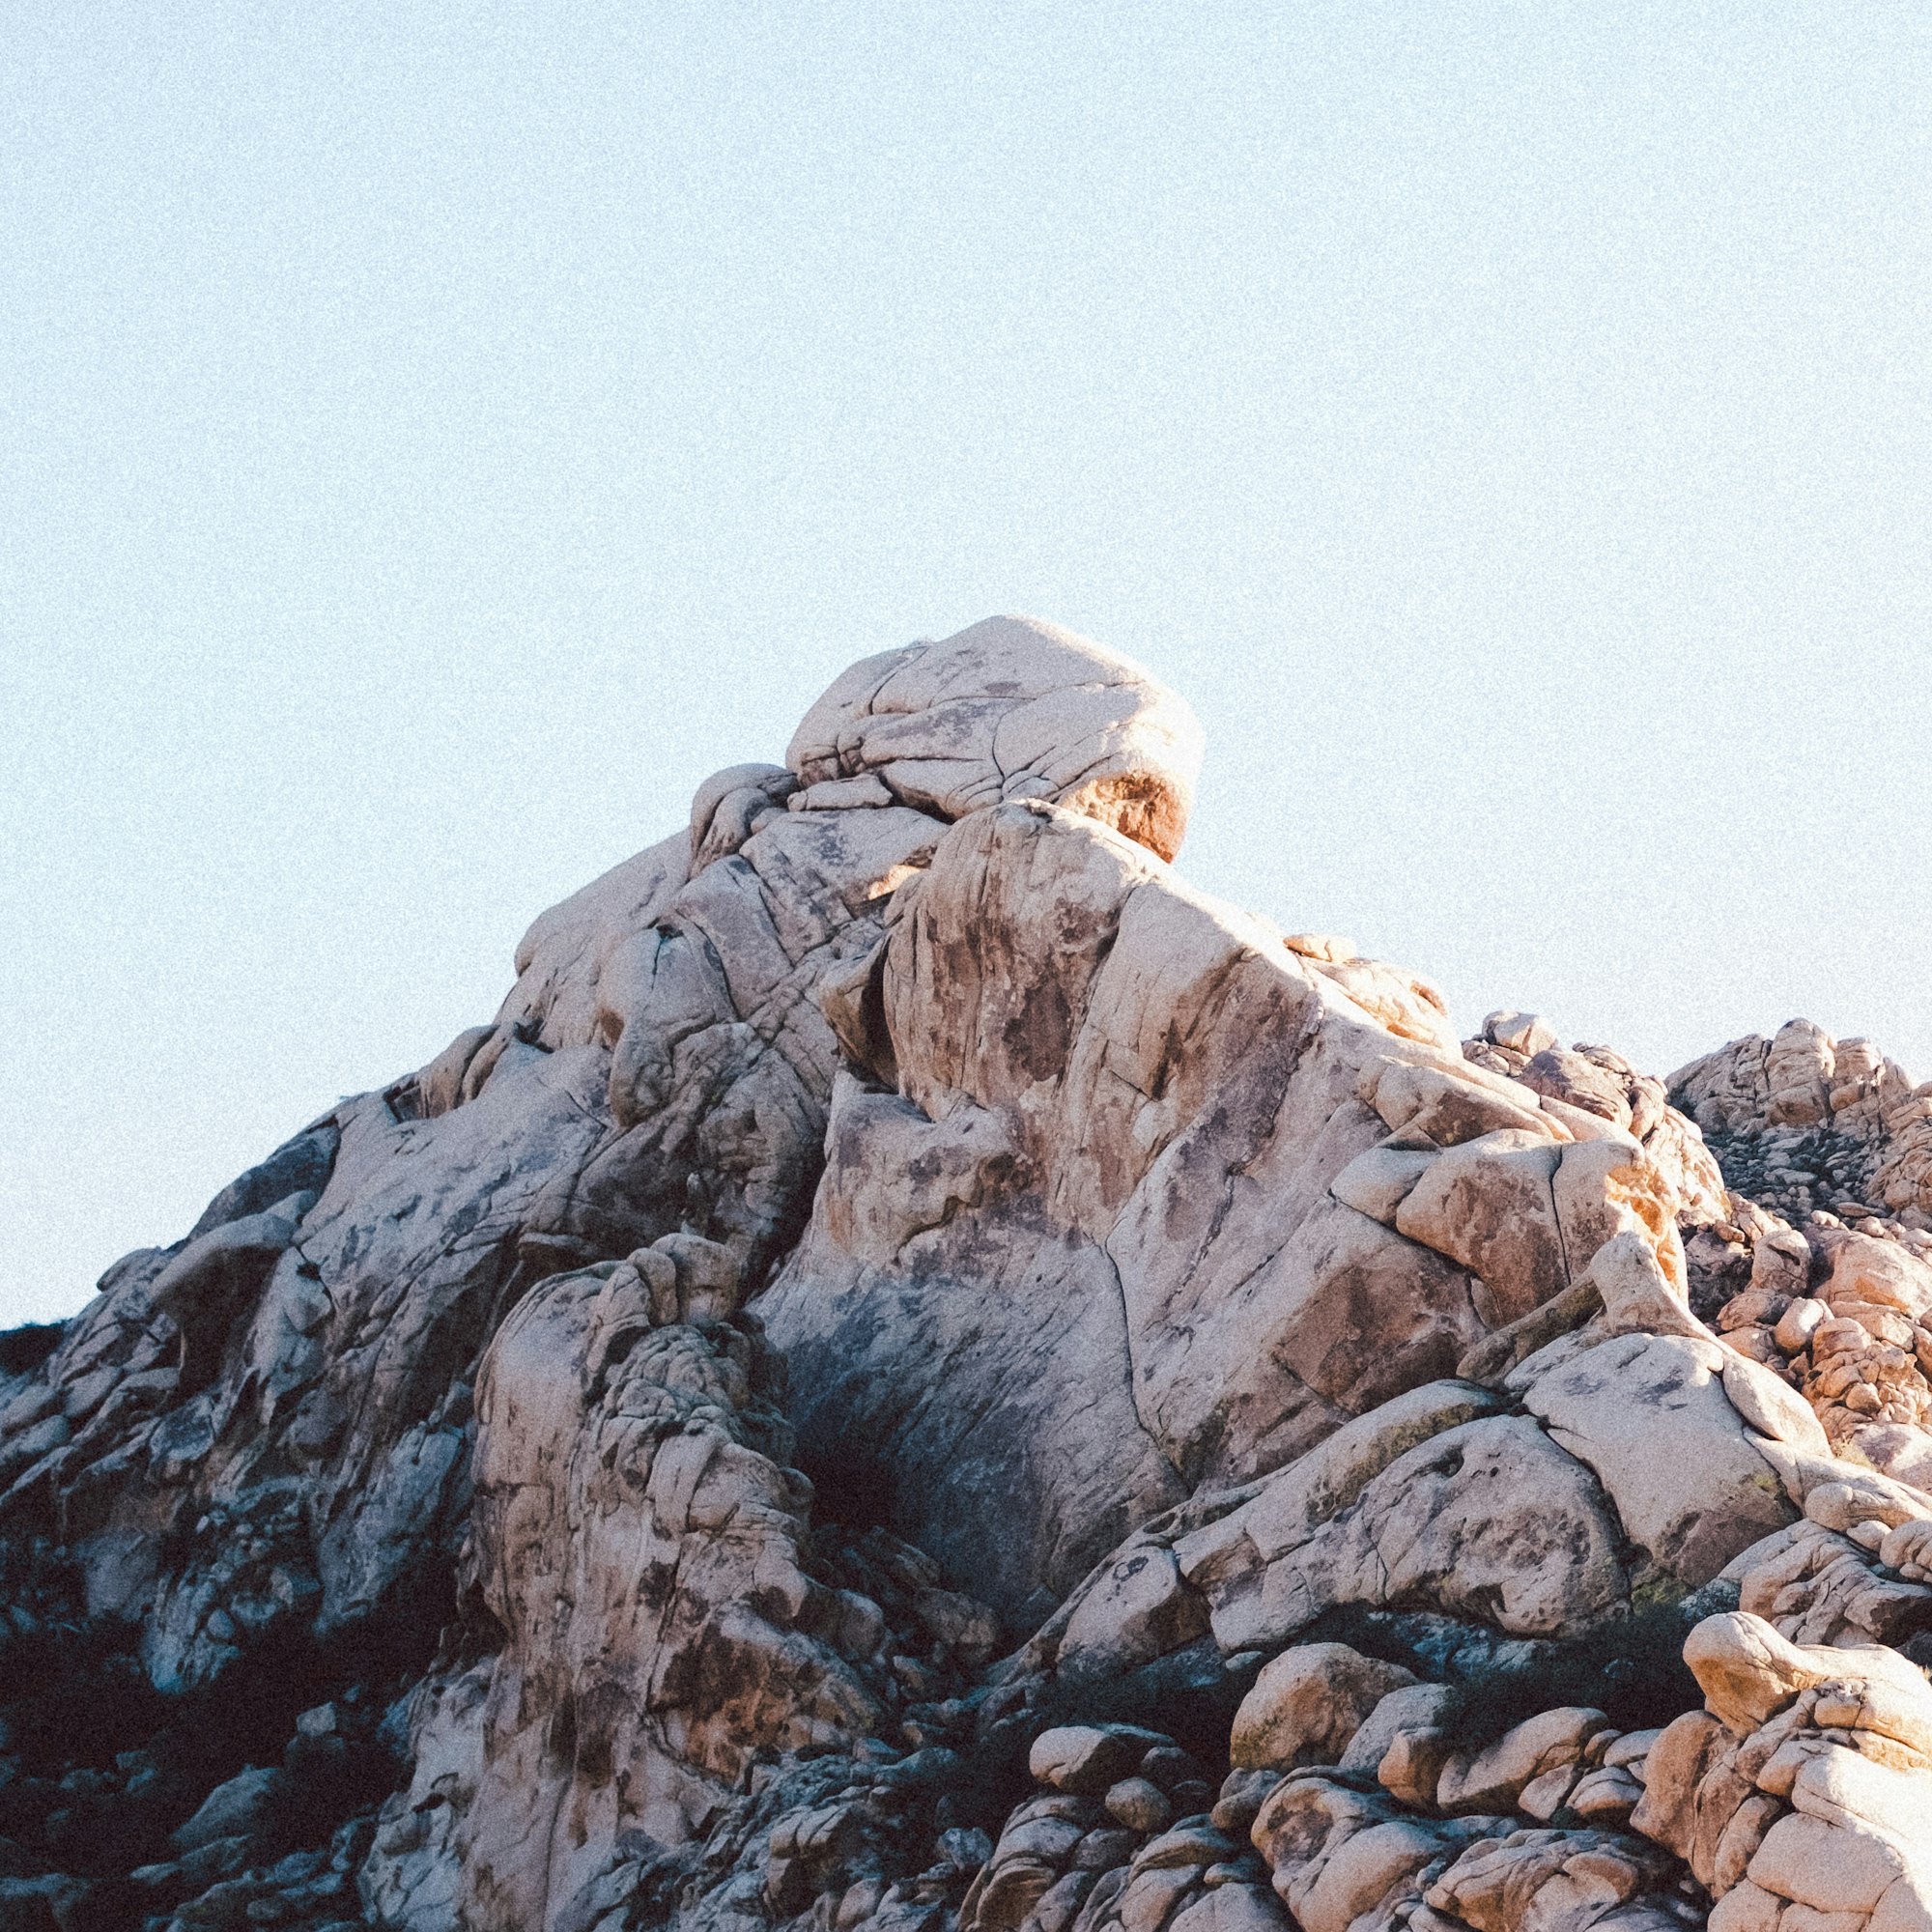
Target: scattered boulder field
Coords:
[(924, 1375)]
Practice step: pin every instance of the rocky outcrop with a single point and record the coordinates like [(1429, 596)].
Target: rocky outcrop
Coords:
[(922, 1374), (1834, 1301), (646, 1555), (1228, 1204), (1816, 1121), (1805, 1786)]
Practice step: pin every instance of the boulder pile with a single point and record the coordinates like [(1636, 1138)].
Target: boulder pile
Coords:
[(924, 1375)]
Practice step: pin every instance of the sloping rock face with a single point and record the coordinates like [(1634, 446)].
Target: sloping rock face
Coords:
[(922, 1374), (1233, 1194)]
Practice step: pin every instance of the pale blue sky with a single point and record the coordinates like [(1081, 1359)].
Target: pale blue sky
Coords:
[(435, 437)]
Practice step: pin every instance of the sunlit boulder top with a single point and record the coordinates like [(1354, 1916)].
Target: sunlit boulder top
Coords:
[(1010, 708)]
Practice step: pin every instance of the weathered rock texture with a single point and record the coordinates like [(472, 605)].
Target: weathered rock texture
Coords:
[(1815, 1121), (923, 1374)]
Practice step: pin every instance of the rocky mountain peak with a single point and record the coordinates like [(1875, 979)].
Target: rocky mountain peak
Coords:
[(923, 1374)]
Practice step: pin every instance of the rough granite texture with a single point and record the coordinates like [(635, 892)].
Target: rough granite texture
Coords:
[(922, 1374)]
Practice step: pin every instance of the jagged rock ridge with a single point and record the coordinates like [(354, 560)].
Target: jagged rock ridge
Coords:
[(922, 1374)]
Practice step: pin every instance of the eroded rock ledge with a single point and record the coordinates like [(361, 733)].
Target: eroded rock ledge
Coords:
[(924, 1375)]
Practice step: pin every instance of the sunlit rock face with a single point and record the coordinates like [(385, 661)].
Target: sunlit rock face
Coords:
[(921, 1373)]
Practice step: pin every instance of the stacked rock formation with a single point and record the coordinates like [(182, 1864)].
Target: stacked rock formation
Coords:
[(1804, 1121), (922, 1374)]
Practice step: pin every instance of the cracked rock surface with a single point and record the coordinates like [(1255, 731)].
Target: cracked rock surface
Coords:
[(923, 1374)]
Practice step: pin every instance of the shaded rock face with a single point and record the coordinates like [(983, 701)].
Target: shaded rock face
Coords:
[(1165, 1134), (641, 1546), (922, 1374)]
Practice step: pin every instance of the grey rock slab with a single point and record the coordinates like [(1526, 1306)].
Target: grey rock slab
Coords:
[(1649, 1415)]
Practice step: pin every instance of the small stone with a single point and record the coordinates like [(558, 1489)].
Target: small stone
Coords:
[(1495, 1777), (1243, 1795), (1308, 1703), (1167, 1766), (1088, 1759), (1606, 1796), (1542, 1797), (1139, 1805), (965, 1846), (1527, 1034), (1632, 1748), (1800, 1322)]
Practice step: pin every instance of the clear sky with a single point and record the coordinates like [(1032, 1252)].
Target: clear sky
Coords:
[(434, 437)]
